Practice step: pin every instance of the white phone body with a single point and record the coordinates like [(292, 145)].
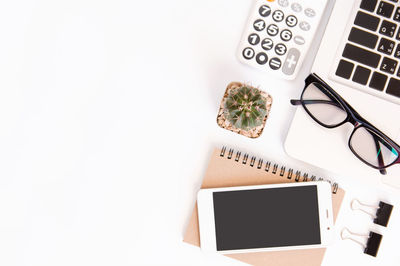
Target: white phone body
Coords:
[(296, 216)]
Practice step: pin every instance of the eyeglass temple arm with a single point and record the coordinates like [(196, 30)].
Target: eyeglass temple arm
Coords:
[(380, 157), (299, 102)]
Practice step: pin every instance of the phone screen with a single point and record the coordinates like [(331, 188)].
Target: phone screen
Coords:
[(263, 218)]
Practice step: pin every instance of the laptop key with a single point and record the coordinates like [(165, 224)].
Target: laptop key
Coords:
[(366, 21), (385, 9), (361, 75), (388, 65), (387, 28), (362, 37), (344, 69), (397, 52), (386, 46), (378, 81), (393, 87), (368, 5), (361, 55), (396, 16)]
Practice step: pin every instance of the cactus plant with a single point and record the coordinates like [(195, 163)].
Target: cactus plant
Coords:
[(244, 110)]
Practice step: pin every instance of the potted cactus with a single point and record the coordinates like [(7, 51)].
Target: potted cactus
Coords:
[(244, 110)]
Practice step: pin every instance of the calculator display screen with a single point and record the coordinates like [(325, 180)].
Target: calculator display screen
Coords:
[(264, 218)]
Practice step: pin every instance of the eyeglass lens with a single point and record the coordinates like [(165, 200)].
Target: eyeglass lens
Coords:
[(323, 106), (372, 148)]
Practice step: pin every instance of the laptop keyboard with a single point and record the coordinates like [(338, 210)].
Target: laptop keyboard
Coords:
[(371, 55)]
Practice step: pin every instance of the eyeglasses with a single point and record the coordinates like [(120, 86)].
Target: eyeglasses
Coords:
[(330, 110)]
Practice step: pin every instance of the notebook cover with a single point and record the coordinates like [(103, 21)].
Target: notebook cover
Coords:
[(224, 172)]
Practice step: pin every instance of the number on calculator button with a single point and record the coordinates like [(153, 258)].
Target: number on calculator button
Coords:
[(267, 44), (272, 30), (259, 25), (278, 16), (254, 39), (286, 35), (248, 53), (264, 11), (291, 21), (280, 49)]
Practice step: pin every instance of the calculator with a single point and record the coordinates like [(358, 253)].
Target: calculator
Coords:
[(279, 34)]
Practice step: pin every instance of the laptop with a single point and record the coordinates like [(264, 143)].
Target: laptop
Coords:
[(359, 57)]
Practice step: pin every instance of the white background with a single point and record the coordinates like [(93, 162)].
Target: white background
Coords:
[(107, 120)]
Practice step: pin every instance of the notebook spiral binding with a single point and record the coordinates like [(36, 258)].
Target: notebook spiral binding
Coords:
[(275, 169)]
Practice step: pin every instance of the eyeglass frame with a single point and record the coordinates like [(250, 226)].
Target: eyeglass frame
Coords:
[(353, 117)]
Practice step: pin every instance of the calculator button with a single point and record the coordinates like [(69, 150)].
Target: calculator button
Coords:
[(262, 58), (259, 25), (385, 9), (361, 75), (283, 3), (362, 37), (272, 30), (397, 14), (275, 63), (296, 7), (344, 69), (388, 65), (305, 26), (368, 5), (309, 12), (366, 21), (267, 44), (291, 61), (394, 87), (361, 55), (299, 40), (387, 28), (378, 81), (248, 53), (280, 49), (264, 11), (386, 46), (291, 21), (278, 16), (397, 52), (254, 39), (286, 35)]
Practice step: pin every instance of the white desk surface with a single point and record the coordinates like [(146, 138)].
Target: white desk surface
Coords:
[(107, 119)]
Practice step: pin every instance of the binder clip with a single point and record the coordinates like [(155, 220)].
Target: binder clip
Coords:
[(380, 213), (372, 244)]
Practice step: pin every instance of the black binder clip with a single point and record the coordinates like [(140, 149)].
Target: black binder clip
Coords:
[(371, 246), (380, 214)]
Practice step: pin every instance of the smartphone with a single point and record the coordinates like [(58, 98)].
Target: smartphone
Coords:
[(265, 218)]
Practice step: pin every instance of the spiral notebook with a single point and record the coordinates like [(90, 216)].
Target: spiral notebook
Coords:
[(228, 168)]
